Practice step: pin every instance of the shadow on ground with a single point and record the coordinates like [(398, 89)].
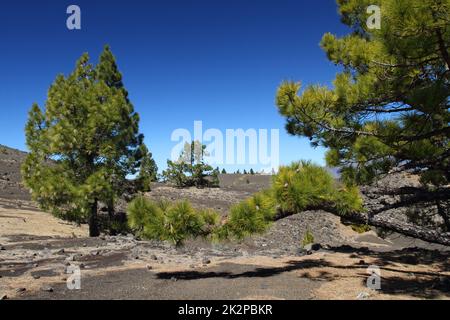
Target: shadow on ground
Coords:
[(401, 265)]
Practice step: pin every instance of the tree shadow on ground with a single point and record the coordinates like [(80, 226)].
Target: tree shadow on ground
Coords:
[(406, 280), (256, 273)]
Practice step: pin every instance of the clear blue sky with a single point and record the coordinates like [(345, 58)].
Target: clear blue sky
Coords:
[(212, 60)]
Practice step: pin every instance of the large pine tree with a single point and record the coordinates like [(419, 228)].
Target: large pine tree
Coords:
[(389, 107), (84, 143)]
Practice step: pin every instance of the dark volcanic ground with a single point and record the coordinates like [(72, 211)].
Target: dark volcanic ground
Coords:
[(36, 250)]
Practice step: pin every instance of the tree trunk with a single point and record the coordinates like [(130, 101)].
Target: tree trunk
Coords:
[(407, 229), (93, 221), (433, 236), (111, 210)]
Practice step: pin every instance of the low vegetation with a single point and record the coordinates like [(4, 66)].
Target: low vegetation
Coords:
[(308, 238), (303, 185), (296, 188), (170, 222), (361, 228), (251, 216)]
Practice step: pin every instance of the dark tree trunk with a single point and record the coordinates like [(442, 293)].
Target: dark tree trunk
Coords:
[(93, 221), (417, 232), (407, 229), (110, 210)]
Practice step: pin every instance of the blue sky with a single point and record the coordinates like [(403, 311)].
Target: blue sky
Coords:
[(183, 60)]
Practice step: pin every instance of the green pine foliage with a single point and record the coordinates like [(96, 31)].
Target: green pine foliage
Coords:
[(308, 238), (303, 185), (389, 106), (296, 188), (254, 215), (347, 200), (176, 174), (148, 171), (361, 228), (83, 143), (170, 222), (190, 169)]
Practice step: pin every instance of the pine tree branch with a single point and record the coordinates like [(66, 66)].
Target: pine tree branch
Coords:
[(443, 48), (404, 65)]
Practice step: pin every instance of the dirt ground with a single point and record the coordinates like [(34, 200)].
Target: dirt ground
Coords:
[(37, 251)]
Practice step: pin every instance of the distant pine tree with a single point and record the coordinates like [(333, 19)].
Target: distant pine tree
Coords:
[(191, 168), (148, 170)]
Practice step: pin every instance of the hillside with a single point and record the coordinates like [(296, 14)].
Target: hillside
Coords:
[(11, 186)]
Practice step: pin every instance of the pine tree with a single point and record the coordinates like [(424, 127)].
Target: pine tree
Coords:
[(224, 171), (252, 172), (148, 170), (175, 173), (191, 168), (84, 142), (389, 107), (108, 72)]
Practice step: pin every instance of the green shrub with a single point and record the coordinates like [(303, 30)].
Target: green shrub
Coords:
[(146, 218), (303, 186), (348, 200), (181, 222), (298, 187), (251, 216), (170, 222), (308, 238), (360, 228), (210, 218)]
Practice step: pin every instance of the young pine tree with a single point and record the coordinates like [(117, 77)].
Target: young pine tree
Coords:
[(84, 142)]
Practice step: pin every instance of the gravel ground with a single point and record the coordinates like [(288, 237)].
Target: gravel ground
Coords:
[(36, 251)]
